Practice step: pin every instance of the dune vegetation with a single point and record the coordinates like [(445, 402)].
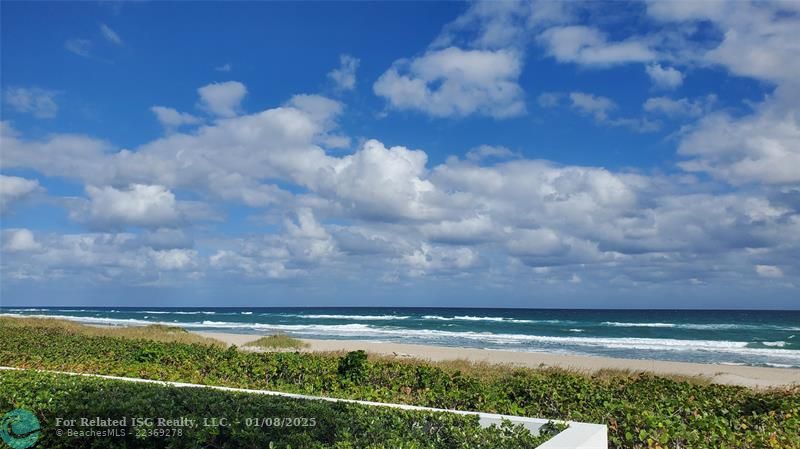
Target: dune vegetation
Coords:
[(640, 410), (195, 419), (277, 341)]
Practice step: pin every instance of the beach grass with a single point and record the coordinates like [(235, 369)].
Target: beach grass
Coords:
[(154, 332), (277, 341)]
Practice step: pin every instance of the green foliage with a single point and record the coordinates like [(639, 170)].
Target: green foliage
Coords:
[(277, 341), (640, 410), (250, 420), (353, 366)]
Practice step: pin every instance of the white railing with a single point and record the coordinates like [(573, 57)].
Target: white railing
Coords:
[(577, 435)]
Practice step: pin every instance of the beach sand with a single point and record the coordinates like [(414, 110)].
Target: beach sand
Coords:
[(750, 376)]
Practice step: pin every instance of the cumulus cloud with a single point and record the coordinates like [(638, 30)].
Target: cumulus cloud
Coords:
[(594, 105), (757, 38), (222, 99), (171, 118), (664, 77), (757, 41), (138, 205), (453, 82), (388, 211), (19, 240), (763, 147), (92, 258), (174, 259), (589, 46), (344, 77), (431, 260), (14, 188), (379, 183), (40, 103)]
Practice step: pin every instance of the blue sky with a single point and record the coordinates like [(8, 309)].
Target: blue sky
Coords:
[(523, 154)]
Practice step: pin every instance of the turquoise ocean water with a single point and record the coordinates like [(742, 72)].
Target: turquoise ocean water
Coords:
[(762, 338)]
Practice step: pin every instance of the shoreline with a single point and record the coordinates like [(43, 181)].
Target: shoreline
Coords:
[(748, 376)]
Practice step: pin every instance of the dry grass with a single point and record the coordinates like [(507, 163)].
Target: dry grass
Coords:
[(278, 341), (155, 332), (492, 371)]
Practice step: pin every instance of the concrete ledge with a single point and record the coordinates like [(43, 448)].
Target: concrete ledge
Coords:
[(577, 436)]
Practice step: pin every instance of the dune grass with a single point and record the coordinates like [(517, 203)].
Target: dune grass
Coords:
[(155, 332), (277, 341)]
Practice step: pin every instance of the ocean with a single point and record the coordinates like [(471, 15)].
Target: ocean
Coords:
[(758, 338)]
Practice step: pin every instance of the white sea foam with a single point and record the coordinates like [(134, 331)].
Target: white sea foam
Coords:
[(354, 317), (617, 324), (778, 344), (779, 365), (484, 318), (517, 341), (180, 312), (576, 330), (90, 319), (696, 326)]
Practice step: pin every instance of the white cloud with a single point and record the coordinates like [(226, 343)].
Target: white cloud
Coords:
[(110, 35), (139, 205), (594, 105), (14, 188), (427, 260), (488, 25), (379, 183), (171, 118), (19, 240), (680, 107), (484, 152), (466, 231), (763, 147), (31, 100), (600, 108), (769, 271), (345, 76), (453, 83), (227, 67), (589, 46), (222, 99), (80, 47), (664, 77), (174, 259), (384, 210)]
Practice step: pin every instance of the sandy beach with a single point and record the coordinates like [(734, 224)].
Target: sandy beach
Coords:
[(750, 376)]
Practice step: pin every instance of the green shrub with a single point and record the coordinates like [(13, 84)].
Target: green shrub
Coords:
[(353, 366), (250, 420)]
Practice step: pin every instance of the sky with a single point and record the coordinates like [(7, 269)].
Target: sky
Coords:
[(484, 154)]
